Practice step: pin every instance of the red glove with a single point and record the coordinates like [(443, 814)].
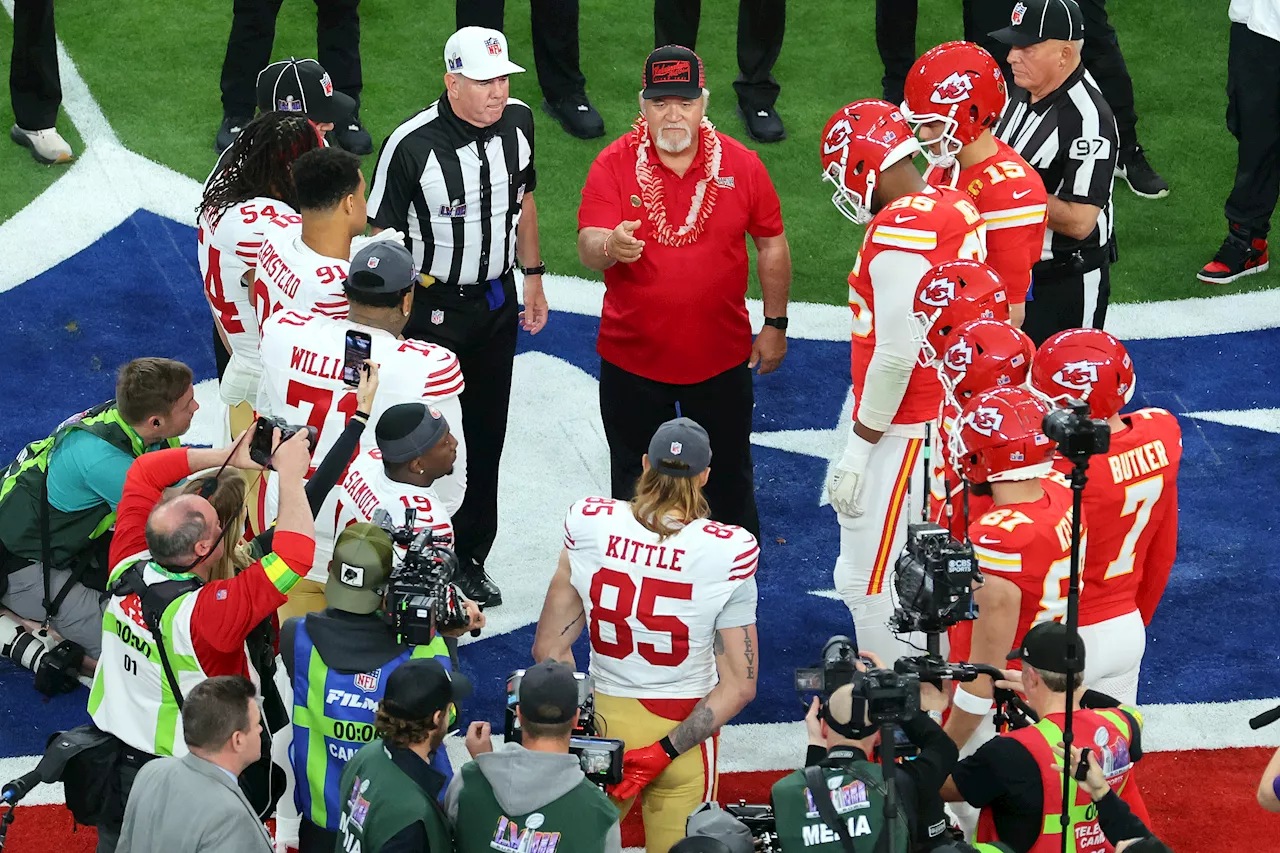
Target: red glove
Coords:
[(639, 768)]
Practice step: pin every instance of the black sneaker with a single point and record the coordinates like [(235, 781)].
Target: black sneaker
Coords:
[(763, 123), (576, 116), (1241, 254), (228, 131), (477, 586), (352, 136), (1132, 165)]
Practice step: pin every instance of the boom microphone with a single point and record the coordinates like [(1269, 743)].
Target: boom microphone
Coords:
[(18, 788)]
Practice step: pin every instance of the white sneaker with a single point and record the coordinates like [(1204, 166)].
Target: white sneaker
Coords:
[(47, 146)]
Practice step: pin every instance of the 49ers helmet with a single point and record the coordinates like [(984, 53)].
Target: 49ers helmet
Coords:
[(1000, 437), (1086, 363), (952, 293), (859, 142), (960, 85), (983, 354)]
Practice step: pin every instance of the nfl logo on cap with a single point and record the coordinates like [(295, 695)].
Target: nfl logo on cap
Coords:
[(327, 85), (435, 413), (373, 263), (495, 46), (676, 447), (1019, 12)]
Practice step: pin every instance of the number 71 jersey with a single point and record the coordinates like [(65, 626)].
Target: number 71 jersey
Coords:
[(652, 605)]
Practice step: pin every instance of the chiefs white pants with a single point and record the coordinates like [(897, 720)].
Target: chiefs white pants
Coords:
[(966, 815), (1113, 655), (871, 543)]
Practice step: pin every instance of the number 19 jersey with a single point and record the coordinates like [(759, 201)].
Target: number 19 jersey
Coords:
[(653, 605)]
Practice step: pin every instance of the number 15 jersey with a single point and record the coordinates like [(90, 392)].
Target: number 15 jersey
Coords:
[(653, 606)]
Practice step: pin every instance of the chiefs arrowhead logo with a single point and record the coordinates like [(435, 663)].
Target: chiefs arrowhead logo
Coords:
[(838, 137), (985, 420), (953, 90), (1079, 375), (939, 293), (958, 357)]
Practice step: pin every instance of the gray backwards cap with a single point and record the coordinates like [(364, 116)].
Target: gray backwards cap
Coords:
[(382, 266), (429, 427), (682, 439)]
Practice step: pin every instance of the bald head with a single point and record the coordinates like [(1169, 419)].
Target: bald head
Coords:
[(182, 530)]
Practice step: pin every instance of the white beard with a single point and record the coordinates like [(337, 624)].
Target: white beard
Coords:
[(673, 147)]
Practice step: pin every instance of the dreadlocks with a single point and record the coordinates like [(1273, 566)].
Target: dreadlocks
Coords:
[(258, 162)]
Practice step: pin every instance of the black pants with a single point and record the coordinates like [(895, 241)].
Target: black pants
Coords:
[(1067, 302), (484, 340), (633, 408), (315, 839), (109, 836), (253, 30), (34, 86), (896, 43), (761, 24), (1253, 117), (555, 40)]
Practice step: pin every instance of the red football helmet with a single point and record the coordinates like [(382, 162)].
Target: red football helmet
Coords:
[(983, 354), (1086, 363), (858, 143), (999, 437), (952, 293), (960, 85)]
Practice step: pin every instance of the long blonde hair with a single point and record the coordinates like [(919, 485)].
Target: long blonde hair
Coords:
[(228, 502), (664, 504)]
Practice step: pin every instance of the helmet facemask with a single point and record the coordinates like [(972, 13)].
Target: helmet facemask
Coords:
[(852, 206), (942, 151)]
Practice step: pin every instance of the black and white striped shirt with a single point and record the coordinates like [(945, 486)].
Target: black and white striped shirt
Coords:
[(455, 190), (1070, 138)]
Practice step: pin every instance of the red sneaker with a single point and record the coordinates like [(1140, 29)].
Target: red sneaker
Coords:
[(1239, 256)]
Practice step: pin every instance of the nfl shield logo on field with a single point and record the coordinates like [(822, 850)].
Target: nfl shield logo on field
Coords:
[(1019, 11), (437, 317), (676, 447), (368, 681)]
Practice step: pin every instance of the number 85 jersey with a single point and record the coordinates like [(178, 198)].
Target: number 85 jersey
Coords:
[(653, 605)]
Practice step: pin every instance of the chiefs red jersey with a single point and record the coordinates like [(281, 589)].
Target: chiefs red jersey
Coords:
[(946, 485), (1029, 545), (1131, 501), (1012, 199), (941, 225)]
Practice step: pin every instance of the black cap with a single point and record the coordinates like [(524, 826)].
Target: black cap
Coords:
[(1045, 648), (548, 693), (302, 86), (673, 72), (381, 266), (680, 440), (418, 688), (1034, 21), (407, 430)]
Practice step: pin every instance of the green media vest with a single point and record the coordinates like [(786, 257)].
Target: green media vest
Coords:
[(859, 801), (578, 822), (379, 799), (23, 486)]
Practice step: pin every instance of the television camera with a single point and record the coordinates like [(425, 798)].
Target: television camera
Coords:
[(422, 598), (601, 758)]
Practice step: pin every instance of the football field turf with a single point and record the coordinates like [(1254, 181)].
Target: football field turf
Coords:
[(154, 65)]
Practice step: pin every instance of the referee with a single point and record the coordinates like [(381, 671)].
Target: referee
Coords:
[(1060, 123), (457, 178)]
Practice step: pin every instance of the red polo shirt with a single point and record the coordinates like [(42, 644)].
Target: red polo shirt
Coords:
[(679, 315)]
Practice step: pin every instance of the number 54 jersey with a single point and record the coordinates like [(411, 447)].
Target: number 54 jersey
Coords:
[(653, 605)]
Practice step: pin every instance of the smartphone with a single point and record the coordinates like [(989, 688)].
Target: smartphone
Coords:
[(355, 354)]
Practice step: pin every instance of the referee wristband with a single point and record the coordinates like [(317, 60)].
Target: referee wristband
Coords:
[(970, 704), (670, 750)]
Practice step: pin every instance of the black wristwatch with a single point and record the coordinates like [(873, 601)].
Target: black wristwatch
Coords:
[(779, 323), (540, 269)]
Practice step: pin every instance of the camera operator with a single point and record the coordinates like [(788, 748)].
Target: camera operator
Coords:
[(535, 789), (1012, 778), (58, 499), (389, 789), (339, 661), (843, 743), (163, 551)]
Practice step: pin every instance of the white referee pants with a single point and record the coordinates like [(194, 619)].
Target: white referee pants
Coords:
[(1113, 655)]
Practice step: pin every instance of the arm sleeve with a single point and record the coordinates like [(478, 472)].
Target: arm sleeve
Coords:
[(766, 209), (226, 611), (1089, 146), (288, 631), (894, 276), (149, 475), (600, 196), (938, 752), (1160, 558), (451, 796), (531, 171), (814, 755), (613, 839), (84, 462), (411, 839), (978, 778), (1118, 821), (740, 609), (395, 183)]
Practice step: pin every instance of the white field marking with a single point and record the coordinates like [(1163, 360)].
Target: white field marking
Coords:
[(1267, 420)]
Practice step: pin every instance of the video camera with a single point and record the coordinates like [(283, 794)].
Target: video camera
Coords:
[(56, 665), (600, 758), (1077, 435), (891, 696), (760, 820), (934, 580), (421, 596)]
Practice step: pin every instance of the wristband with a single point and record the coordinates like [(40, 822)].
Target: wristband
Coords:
[(970, 704), (670, 750), (606, 245)]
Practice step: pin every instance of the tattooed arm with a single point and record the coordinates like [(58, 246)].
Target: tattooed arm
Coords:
[(562, 618), (738, 664)]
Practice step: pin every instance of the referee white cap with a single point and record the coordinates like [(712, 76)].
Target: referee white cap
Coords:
[(478, 53), (1034, 21)]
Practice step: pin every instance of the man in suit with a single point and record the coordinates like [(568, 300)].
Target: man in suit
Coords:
[(222, 726)]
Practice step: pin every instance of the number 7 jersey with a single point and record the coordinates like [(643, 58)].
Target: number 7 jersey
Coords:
[(653, 606)]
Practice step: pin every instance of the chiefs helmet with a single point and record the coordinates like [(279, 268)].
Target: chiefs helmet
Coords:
[(983, 354), (999, 437), (859, 142), (1086, 363), (952, 293), (960, 85)]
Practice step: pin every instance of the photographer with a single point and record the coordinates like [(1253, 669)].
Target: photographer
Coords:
[(339, 661), (535, 789), (58, 498), (163, 551), (389, 788), (842, 744)]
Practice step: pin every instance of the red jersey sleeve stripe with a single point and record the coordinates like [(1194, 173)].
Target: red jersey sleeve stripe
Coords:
[(441, 392), (750, 552), (744, 576)]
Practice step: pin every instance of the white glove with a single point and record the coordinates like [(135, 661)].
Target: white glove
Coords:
[(388, 235), (844, 488)]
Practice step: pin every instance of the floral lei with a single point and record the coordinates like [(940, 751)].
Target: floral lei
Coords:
[(652, 193)]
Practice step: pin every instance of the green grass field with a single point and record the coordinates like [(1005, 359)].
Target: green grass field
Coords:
[(154, 67)]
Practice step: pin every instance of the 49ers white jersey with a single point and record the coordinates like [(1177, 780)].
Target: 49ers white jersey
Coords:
[(228, 248), (652, 605), (366, 488), (291, 275)]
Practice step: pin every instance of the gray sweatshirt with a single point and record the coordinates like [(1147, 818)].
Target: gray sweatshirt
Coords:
[(525, 781)]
